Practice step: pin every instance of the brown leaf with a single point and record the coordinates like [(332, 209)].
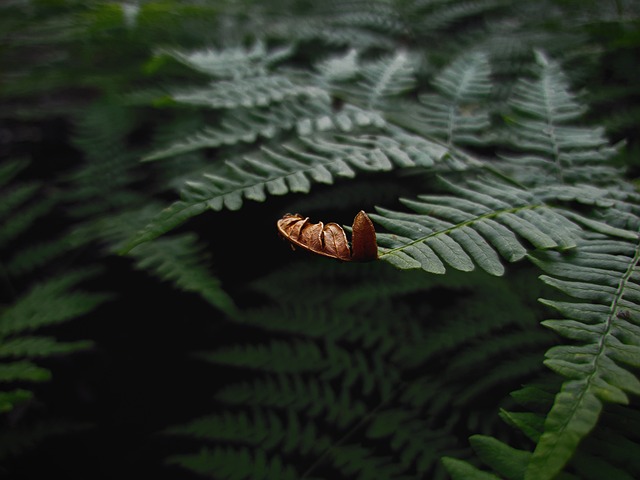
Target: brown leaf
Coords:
[(330, 240), (364, 245)]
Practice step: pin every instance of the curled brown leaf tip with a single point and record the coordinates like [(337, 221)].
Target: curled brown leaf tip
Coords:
[(330, 240)]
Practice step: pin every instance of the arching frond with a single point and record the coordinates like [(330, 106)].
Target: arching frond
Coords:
[(294, 168), (471, 228)]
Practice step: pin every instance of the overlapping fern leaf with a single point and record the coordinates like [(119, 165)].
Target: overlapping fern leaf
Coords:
[(329, 144), (457, 113), (544, 123), (111, 209), (32, 296)]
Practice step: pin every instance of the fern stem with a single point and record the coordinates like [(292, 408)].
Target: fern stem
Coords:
[(552, 129)]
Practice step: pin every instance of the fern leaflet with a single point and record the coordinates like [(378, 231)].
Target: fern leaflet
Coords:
[(471, 228), (604, 275)]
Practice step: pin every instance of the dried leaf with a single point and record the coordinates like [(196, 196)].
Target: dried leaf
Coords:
[(330, 240)]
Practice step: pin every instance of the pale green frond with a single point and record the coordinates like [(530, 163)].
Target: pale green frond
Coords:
[(306, 117), (544, 109), (379, 82), (457, 113), (247, 92), (324, 31), (475, 227), (293, 168), (230, 62)]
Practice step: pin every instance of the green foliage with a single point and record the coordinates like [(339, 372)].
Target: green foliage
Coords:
[(455, 123)]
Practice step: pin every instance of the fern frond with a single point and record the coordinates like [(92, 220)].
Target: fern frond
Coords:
[(471, 229), (457, 113), (50, 302), (302, 29), (23, 216), (378, 81), (436, 16), (570, 154), (258, 429), (248, 92), (275, 357), (181, 260), (604, 278), (293, 168), (306, 117), (284, 392), (230, 62)]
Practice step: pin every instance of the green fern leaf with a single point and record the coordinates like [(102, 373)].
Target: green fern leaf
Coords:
[(569, 153), (247, 92), (509, 462), (457, 113), (385, 78), (605, 323), (306, 117), (180, 259), (49, 303), (230, 62), (293, 169), (471, 228)]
